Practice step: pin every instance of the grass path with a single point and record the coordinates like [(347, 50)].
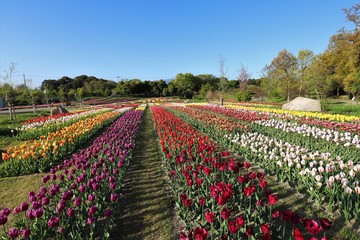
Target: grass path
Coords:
[(146, 206)]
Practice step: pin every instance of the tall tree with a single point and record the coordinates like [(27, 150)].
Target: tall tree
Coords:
[(243, 77), (318, 72), (223, 83), (353, 15), (185, 84), (282, 72), (7, 89), (304, 58)]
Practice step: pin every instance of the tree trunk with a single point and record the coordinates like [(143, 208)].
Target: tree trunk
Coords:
[(10, 113), (14, 113), (34, 108), (317, 94)]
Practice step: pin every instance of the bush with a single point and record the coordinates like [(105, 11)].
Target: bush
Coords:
[(244, 96)]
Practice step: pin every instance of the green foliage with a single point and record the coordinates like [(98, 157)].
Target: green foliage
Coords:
[(244, 95), (233, 84)]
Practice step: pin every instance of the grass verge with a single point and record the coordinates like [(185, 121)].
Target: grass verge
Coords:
[(146, 207)]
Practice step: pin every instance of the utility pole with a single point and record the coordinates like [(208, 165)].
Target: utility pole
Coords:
[(24, 79)]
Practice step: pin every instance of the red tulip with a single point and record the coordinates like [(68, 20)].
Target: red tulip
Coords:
[(312, 226), (210, 217), (233, 228), (240, 221), (249, 231), (298, 235), (200, 233), (272, 199), (225, 213), (325, 223), (265, 228)]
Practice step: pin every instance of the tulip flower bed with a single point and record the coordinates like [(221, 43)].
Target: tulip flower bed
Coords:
[(326, 178), (42, 126), (305, 118), (80, 196), (315, 115), (217, 197), (40, 155), (305, 136), (216, 122)]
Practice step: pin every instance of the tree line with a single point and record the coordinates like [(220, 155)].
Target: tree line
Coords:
[(331, 73)]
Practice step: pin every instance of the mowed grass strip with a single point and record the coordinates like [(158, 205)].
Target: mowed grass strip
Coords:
[(146, 206), (14, 190)]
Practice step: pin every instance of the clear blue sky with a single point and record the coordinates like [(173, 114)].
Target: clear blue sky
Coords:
[(153, 39)]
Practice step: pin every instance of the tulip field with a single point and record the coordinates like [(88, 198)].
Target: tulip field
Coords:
[(229, 173)]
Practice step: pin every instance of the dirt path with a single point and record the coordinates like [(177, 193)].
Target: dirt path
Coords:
[(146, 206)]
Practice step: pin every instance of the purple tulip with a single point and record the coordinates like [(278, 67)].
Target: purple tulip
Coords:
[(32, 198), (81, 188), (53, 191), (70, 177), (53, 177), (24, 206), (70, 212), (112, 186), (94, 186), (38, 212), (6, 211), (67, 195), (73, 186), (30, 214), (25, 232), (98, 178), (43, 190), (113, 197), (60, 206), (53, 221), (66, 171), (61, 177), (16, 210), (36, 205), (91, 220), (14, 232), (3, 219), (91, 197), (45, 201), (77, 202), (52, 171), (44, 179), (92, 210), (31, 194), (107, 213), (111, 179)]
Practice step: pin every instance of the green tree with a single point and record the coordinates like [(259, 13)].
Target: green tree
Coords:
[(171, 88), (62, 93), (79, 95), (185, 84), (282, 72), (205, 89), (304, 58)]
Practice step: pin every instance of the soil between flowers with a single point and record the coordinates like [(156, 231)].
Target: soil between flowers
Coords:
[(146, 208)]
